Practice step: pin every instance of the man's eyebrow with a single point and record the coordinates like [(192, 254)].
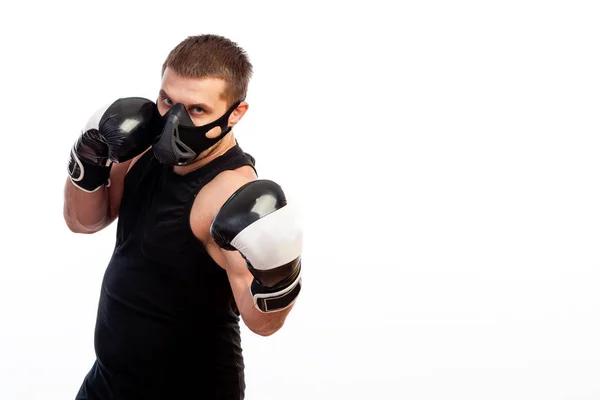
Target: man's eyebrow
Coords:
[(203, 106)]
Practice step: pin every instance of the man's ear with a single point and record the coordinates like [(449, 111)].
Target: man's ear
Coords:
[(238, 113)]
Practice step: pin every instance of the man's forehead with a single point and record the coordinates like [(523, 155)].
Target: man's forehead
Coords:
[(192, 90)]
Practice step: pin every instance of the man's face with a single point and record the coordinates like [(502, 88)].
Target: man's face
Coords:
[(202, 99)]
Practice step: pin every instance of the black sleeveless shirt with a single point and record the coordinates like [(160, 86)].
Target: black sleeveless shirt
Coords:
[(167, 324)]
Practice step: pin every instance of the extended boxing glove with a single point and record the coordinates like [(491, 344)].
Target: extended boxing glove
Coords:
[(258, 222), (115, 133)]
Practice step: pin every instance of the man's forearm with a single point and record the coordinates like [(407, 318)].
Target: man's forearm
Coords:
[(263, 324), (85, 212)]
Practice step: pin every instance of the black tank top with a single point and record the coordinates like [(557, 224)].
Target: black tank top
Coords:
[(167, 324)]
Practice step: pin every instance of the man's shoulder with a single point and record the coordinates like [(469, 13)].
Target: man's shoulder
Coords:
[(222, 186), (232, 177)]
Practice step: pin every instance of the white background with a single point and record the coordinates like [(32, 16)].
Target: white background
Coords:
[(445, 155)]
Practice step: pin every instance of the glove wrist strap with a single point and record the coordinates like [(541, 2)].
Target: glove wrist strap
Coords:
[(88, 177), (268, 300)]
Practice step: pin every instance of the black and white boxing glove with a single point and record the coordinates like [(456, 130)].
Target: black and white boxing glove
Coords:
[(115, 133), (258, 222)]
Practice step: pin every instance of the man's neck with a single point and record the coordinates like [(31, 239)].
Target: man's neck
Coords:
[(209, 155)]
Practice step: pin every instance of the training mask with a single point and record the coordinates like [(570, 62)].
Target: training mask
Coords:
[(179, 142)]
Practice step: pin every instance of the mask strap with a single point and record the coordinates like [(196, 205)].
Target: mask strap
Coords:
[(221, 121)]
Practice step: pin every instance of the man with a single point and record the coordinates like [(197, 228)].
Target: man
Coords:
[(200, 240)]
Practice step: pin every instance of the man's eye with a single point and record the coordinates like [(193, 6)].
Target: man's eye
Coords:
[(197, 110), (166, 101)]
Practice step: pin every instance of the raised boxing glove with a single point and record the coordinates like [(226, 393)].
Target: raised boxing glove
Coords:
[(115, 133)]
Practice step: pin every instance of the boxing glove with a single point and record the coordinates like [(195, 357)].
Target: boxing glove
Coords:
[(115, 133), (258, 222)]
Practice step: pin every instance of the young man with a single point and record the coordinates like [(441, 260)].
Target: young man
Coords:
[(200, 240)]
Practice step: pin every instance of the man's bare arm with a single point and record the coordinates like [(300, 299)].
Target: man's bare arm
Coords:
[(266, 291), (240, 279), (90, 212)]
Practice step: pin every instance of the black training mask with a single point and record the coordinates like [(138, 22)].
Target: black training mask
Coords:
[(179, 142)]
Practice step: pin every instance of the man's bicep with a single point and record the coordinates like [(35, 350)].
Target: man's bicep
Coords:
[(238, 274), (237, 269), (234, 264)]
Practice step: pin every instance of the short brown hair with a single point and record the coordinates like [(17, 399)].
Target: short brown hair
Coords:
[(213, 56)]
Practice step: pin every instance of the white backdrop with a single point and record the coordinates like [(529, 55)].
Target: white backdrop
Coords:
[(445, 155)]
